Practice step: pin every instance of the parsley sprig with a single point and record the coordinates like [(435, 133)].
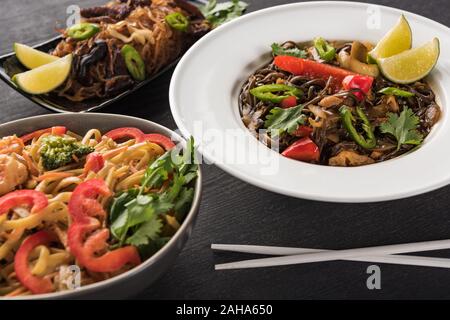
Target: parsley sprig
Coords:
[(219, 13), (280, 120), (278, 50), (403, 128), (136, 214)]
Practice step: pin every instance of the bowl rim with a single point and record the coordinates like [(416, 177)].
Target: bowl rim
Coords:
[(260, 182), (188, 221)]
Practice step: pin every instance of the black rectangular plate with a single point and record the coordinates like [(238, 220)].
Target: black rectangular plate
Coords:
[(9, 65)]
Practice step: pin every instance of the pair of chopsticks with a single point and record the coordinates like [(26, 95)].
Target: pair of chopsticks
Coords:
[(290, 256)]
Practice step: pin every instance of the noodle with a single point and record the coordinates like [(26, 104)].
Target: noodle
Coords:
[(322, 114), (124, 168), (144, 28)]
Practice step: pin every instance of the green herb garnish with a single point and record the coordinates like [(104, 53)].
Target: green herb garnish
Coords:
[(284, 120), (219, 13), (136, 214), (403, 128), (278, 50)]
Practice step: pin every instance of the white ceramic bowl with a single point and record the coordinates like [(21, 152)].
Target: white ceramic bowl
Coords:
[(206, 83)]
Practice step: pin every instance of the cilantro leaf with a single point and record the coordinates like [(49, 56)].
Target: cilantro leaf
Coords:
[(403, 128), (219, 13), (146, 232), (285, 120), (119, 226), (136, 211), (135, 215), (278, 50), (152, 247), (119, 202), (157, 172), (183, 203)]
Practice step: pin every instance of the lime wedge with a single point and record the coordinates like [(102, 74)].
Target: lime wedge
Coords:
[(44, 78), (397, 40), (411, 65), (32, 58)]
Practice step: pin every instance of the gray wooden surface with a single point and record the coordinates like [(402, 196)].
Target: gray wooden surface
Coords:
[(235, 212)]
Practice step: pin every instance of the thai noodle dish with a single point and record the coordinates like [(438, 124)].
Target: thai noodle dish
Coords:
[(99, 202), (344, 103), (113, 48)]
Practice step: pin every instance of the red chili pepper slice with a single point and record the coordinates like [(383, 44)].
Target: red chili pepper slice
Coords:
[(58, 131), (84, 238), (313, 69), (358, 82), (303, 150), (33, 283), (126, 132), (289, 102), (303, 131), (32, 198), (161, 140), (94, 162)]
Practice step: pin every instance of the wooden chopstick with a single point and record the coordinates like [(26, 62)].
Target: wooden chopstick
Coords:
[(381, 254)]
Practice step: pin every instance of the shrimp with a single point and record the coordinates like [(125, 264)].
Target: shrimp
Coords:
[(11, 144), (12, 173)]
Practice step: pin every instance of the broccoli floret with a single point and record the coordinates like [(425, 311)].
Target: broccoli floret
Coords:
[(59, 151)]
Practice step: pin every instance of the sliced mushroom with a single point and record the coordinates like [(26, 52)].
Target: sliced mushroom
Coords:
[(359, 51), (432, 116), (350, 159), (97, 53), (392, 103), (330, 101), (355, 61)]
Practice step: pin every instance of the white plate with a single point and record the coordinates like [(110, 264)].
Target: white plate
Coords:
[(204, 102)]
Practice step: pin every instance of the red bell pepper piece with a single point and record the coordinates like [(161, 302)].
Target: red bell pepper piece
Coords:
[(126, 132), (33, 283), (313, 70), (139, 136), (303, 150), (84, 238), (57, 131), (86, 250), (289, 102), (358, 82), (161, 140), (303, 131), (94, 162), (36, 200), (83, 203)]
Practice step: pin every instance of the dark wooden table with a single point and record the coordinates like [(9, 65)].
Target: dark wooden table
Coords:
[(235, 212)]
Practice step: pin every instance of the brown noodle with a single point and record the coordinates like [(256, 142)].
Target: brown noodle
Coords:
[(146, 30)]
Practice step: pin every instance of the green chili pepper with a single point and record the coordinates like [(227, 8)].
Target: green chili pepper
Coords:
[(349, 123), (177, 21), (325, 50), (134, 62), (267, 92), (82, 31), (396, 92)]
